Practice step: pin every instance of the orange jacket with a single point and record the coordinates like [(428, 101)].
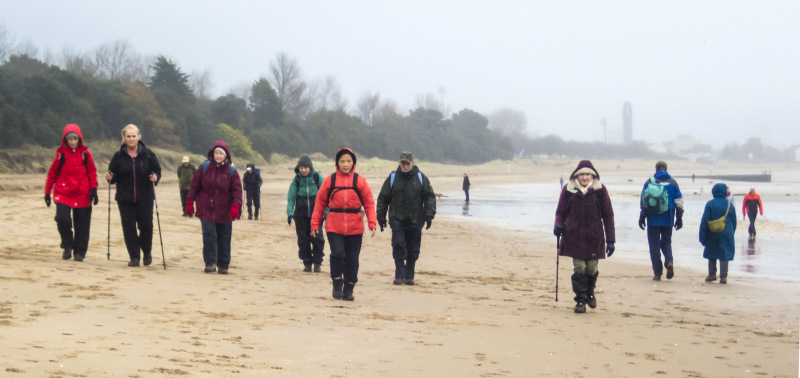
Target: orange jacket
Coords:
[(344, 223), (750, 202)]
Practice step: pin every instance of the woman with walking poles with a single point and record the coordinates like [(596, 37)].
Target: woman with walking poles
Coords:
[(73, 179), (217, 190), (136, 171), (344, 192), (585, 221)]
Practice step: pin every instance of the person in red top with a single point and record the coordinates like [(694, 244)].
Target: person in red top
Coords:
[(751, 204), (344, 192), (73, 179)]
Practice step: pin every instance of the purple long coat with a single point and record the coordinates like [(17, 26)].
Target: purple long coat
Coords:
[(217, 189), (587, 219)]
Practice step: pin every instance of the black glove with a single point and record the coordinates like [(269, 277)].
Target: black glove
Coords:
[(94, 196), (428, 221), (47, 199), (642, 217), (678, 218), (609, 249), (382, 224), (558, 231), (289, 219)]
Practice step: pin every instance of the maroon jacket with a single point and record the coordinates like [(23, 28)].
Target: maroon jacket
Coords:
[(216, 188), (586, 218)]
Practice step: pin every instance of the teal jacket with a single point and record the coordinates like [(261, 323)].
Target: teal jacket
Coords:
[(303, 193), (718, 245)]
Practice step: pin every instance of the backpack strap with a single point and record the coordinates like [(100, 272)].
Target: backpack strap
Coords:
[(334, 188), (207, 162), (391, 178)]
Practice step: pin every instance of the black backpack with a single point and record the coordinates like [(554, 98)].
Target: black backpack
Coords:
[(334, 189), (316, 180)]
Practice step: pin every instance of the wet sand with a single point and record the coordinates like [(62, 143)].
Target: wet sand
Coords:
[(484, 304)]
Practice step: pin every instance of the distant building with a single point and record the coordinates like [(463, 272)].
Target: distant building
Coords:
[(627, 123)]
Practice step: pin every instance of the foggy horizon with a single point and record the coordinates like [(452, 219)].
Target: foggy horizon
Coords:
[(720, 72)]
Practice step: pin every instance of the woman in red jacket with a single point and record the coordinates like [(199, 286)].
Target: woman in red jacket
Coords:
[(217, 190), (344, 192), (74, 176)]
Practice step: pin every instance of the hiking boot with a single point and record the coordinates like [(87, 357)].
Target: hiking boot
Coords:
[(711, 277), (657, 278), (67, 254), (78, 257), (210, 268), (249, 216), (223, 271), (133, 262), (347, 295), (670, 271), (580, 308), (398, 281), (256, 216), (592, 302), (148, 259), (317, 268), (723, 280), (337, 288), (409, 281), (307, 268)]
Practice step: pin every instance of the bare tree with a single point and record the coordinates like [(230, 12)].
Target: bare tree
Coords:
[(77, 62), (430, 101), (286, 78), (508, 122), (387, 110), (200, 82), (328, 94), (6, 43), (119, 61), (241, 89), (367, 104), (28, 48)]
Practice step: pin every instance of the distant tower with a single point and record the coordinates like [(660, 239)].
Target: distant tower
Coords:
[(627, 123)]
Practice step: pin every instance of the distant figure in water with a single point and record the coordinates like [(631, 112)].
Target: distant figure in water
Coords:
[(561, 182), (718, 245), (751, 206), (585, 219), (692, 177), (465, 186)]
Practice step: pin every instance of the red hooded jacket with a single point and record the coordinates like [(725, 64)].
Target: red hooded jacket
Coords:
[(74, 183), (340, 222), (217, 189)]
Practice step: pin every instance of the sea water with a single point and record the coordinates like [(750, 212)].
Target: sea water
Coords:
[(531, 207)]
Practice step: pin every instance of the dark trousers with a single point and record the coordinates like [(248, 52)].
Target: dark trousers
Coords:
[(752, 229), (466, 192), (310, 249), (133, 214), (406, 242), (345, 250), (183, 199), (659, 238), (217, 243), (253, 198), (81, 217), (723, 267)]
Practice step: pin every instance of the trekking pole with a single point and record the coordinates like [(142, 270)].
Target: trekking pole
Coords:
[(163, 259), (558, 251), (108, 247)]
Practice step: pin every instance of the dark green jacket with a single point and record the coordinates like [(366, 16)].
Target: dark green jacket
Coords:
[(185, 175), (408, 202), (302, 193)]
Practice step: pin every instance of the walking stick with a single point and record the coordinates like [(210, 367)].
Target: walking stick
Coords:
[(108, 247), (163, 259), (558, 251)]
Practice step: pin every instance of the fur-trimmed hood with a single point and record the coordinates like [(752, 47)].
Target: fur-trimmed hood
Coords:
[(585, 166)]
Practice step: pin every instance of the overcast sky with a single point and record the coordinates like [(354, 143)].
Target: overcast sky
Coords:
[(721, 71)]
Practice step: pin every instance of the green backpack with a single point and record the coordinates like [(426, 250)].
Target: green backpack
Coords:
[(655, 199)]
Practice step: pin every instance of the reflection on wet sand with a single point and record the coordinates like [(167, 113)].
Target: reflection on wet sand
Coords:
[(750, 253)]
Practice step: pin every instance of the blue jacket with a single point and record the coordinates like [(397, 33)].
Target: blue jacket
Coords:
[(675, 200), (719, 245)]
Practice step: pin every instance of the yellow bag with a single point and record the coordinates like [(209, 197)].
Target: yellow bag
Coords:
[(718, 225)]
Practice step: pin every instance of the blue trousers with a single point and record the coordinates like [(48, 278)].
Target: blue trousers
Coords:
[(659, 238), (217, 243)]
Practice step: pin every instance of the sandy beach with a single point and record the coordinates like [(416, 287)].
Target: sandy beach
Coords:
[(484, 304)]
